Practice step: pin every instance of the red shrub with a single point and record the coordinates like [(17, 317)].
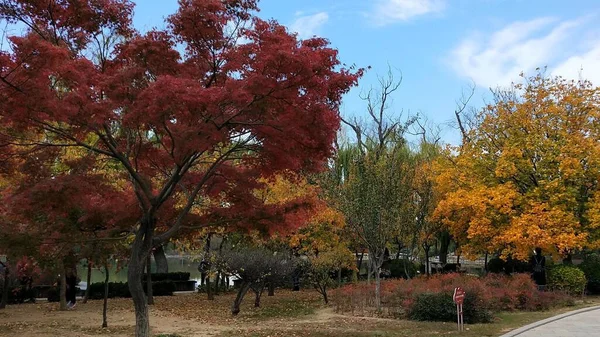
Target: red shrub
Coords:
[(492, 293)]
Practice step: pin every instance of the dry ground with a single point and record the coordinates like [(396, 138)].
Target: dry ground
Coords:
[(287, 314)]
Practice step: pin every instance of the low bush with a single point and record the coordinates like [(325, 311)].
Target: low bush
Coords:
[(567, 278), (177, 276), (121, 290), (441, 307), (424, 298), (591, 268)]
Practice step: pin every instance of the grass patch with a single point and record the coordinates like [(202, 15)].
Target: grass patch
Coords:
[(342, 326), (283, 308)]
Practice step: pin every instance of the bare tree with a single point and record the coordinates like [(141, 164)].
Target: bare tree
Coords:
[(373, 175)]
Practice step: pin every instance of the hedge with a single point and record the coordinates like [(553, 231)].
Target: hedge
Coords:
[(120, 290), (177, 276)]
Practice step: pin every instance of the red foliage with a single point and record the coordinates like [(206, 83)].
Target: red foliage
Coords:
[(493, 292), (239, 105)]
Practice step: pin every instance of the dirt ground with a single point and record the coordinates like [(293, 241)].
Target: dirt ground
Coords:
[(190, 315), (288, 314)]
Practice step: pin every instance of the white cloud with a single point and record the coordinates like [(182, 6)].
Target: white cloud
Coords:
[(584, 66), (308, 25), (497, 59), (390, 11)]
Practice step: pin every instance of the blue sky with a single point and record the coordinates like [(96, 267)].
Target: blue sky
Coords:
[(440, 46)]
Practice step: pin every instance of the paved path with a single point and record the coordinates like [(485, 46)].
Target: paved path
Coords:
[(578, 323)]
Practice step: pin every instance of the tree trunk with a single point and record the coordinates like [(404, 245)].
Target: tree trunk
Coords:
[(162, 265), (444, 244), (149, 280), (271, 289), (378, 288), (406, 272), (485, 263), (105, 304), (135, 271), (89, 282), (258, 292), (217, 281), (369, 267), (226, 283), (324, 293), (296, 281), (5, 286), (339, 277), (427, 248), (63, 288), (359, 261), (209, 289), (235, 309)]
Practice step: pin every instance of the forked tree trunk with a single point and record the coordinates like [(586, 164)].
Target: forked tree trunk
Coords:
[(235, 309), (63, 289), (149, 281), (258, 294), (5, 286), (140, 249), (322, 289), (89, 282), (105, 304), (324, 293), (162, 265)]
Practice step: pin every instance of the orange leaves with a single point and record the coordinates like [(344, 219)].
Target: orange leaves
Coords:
[(527, 176)]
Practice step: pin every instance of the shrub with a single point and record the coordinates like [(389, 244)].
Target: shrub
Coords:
[(441, 307), (433, 307), (567, 278), (484, 295), (591, 268), (397, 268)]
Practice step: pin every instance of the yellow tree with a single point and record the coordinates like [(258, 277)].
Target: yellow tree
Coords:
[(526, 174)]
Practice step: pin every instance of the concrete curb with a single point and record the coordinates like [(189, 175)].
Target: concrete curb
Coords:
[(534, 325)]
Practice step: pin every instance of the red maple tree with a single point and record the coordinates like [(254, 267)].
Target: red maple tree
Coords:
[(198, 111)]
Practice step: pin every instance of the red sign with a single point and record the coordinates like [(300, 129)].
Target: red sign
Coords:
[(459, 295)]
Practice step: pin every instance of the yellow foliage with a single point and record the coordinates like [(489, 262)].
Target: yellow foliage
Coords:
[(526, 176)]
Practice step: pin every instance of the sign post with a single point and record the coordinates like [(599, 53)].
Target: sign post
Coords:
[(459, 298)]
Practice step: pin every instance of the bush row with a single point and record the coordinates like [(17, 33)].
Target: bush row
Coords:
[(177, 276), (119, 290), (430, 298)]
